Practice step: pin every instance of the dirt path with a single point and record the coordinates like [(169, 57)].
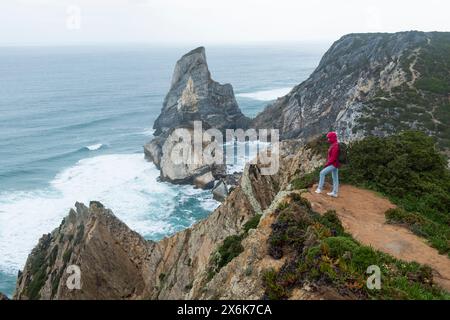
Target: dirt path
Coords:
[(414, 73), (362, 215)]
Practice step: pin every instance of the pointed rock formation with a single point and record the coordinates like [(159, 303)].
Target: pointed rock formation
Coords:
[(193, 96)]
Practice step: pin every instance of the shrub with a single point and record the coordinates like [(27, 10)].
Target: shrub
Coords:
[(437, 234), (274, 291), (306, 181), (252, 223), (337, 261), (231, 247), (410, 171)]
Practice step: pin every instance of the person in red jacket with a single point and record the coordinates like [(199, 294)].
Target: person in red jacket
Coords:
[(332, 165)]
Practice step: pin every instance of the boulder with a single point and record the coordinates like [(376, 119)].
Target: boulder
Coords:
[(220, 191), (205, 181), (153, 151)]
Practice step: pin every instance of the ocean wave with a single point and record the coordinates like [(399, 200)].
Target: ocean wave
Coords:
[(69, 154), (126, 183), (94, 147), (81, 125), (266, 95), (242, 154), (148, 132)]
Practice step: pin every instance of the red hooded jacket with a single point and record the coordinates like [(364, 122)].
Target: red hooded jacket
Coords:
[(333, 151)]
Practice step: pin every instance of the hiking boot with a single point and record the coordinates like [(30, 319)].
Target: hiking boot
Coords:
[(318, 191), (332, 194)]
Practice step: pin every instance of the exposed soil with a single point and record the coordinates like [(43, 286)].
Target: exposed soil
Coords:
[(362, 215)]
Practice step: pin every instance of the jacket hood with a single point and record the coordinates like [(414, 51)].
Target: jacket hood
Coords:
[(332, 137)]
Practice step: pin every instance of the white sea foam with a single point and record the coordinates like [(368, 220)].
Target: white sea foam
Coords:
[(148, 132), (266, 95), (125, 183), (243, 154), (94, 147)]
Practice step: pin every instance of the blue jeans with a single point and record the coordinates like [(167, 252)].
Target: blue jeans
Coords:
[(334, 173)]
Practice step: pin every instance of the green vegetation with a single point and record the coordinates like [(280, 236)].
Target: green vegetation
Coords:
[(397, 111), (436, 233), (307, 180), (67, 254), (424, 105), (231, 247), (38, 269), (408, 169), (434, 85), (322, 254), (37, 283), (56, 278), (433, 64), (252, 223)]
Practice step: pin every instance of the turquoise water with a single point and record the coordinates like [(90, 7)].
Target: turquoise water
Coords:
[(73, 122)]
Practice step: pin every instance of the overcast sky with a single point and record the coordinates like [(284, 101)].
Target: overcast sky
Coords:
[(59, 22)]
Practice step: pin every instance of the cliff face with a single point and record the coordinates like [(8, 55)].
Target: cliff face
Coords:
[(264, 241), (371, 84), (117, 263)]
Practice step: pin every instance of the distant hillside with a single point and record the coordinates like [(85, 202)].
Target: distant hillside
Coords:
[(371, 84)]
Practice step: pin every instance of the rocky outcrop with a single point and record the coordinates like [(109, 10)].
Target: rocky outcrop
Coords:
[(187, 165), (117, 263), (3, 297), (112, 259), (220, 191), (193, 96), (370, 84)]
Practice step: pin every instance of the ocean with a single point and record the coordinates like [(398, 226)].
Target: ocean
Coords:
[(73, 122)]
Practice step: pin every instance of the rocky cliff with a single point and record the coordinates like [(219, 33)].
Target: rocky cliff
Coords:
[(371, 84), (193, 96), (117, 263), (265, 240), (110, 256)]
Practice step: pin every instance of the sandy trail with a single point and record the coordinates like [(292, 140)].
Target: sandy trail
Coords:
[(362, 214)]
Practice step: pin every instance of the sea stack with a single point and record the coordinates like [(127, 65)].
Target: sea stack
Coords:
[(193, 96)]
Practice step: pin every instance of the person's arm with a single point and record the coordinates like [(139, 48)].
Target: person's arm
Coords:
[(333, 155)]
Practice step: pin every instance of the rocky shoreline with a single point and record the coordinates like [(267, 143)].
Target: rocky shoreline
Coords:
[(353, 77)]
